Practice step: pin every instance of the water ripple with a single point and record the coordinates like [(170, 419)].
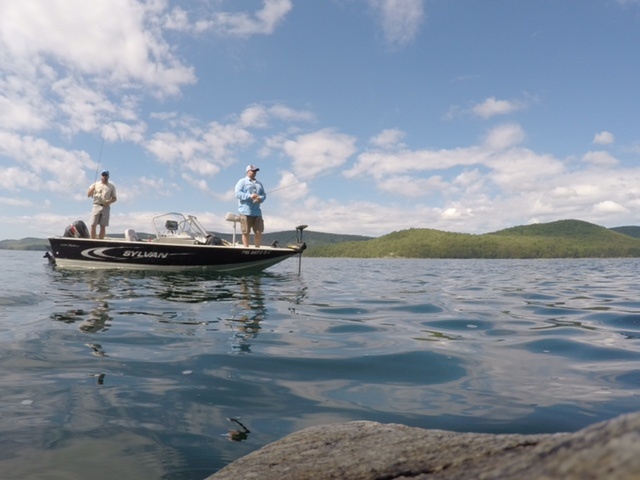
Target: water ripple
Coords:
[(144, 371)]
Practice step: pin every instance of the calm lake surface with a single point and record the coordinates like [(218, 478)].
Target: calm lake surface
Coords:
[(146, 376)]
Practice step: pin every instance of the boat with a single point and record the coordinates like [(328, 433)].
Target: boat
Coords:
[(180, 243)]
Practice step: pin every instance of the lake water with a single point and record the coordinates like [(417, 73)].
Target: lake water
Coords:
[(153, 376)]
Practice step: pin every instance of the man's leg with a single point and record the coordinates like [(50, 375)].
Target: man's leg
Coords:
[(245, 228), (103, 230), (257, 237), (93, 231)]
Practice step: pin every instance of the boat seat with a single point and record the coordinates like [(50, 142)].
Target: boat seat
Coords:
[(232, 217)]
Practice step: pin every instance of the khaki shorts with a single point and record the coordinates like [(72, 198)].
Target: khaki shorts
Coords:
[(251, 223), (100, 215)]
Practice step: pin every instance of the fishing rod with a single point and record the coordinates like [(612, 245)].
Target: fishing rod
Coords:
[(287, 186), (95, 178), (298, 183)]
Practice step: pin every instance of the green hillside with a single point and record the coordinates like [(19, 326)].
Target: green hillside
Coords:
[(629, 230), (561, 239), (28, 243)]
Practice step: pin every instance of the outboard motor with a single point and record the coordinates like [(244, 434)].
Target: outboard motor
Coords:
[(131, 235), (77, 229), (81, 228)]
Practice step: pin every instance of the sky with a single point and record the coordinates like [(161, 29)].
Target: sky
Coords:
[(364, 116)]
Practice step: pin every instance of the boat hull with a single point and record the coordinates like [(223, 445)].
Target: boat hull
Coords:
[(86, 253)]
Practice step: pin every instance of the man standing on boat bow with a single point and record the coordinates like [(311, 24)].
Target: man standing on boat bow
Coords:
[(250, 194), (104, 194)]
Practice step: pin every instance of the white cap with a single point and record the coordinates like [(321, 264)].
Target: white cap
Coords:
[(252, 167)]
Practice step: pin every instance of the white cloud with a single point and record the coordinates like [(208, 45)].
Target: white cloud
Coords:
[(519, 169), (609, 207), (124, 132), (260, 116), (455, 213), (382, 164), (80, 67), (504, 136), (388, 139), (318, 152), (201, 150), (22, 111), (290, 188), (14, 202), (603, 159), (238, 24), (400, 19), (603, 138), (198, 183), (61, 169), (127, 47), (285, 113), (412, 186), (492, 107)]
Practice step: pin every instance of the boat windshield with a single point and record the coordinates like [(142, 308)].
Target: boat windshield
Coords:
[(178, 225)]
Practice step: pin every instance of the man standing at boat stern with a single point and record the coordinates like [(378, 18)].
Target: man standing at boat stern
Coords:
[(250, 194), (104, 194)]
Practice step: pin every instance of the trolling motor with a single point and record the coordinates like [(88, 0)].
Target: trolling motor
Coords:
[(299, 230)]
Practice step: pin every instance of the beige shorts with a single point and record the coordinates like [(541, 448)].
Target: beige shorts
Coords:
[(100, 215), (251, 223)]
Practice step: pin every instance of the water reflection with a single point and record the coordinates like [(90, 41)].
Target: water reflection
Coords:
[(251, 301), (93, 289), (190, 288), (175, 375), (98, 320)]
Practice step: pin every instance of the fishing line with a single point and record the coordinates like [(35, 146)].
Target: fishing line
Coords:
[(298, 183)]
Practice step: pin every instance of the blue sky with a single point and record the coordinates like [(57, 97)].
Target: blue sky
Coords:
[(364, 116)]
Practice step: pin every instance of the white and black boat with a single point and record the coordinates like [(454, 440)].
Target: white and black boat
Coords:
[(180, 243)]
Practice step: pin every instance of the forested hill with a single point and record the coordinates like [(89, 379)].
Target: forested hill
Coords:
[(631, 231), (561, 239)]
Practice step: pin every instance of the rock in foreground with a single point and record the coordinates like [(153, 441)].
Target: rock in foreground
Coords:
[(368, 450)]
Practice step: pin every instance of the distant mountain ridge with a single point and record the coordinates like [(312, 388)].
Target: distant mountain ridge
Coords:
[(629, 230), (559, 239)]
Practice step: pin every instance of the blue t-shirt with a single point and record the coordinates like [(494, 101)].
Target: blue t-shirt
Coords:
[(244, 189)]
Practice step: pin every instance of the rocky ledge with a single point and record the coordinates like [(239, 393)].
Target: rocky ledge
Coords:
[(364, 450)]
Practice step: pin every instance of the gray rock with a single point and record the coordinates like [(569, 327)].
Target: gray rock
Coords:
[(364, 450)]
